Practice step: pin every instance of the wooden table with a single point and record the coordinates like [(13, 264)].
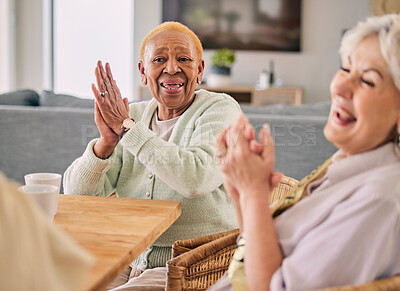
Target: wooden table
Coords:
[(114, 230)]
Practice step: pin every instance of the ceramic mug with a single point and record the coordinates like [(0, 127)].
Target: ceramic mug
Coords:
[(45, 196), (44, 178)]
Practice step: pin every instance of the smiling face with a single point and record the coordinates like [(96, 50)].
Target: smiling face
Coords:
[(365, 102), (171, 68)]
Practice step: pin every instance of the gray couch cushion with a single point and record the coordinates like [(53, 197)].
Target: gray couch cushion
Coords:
[(300, 145), (42, 139), (313, 109), (298, 132), (49, 98), (20, 97)]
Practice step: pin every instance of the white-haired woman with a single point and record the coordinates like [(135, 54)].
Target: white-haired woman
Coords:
[(346, 227)]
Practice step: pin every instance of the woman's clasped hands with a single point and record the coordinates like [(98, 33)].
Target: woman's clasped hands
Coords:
[(247, 164)]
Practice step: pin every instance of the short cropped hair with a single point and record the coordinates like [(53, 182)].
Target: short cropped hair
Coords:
[(172, 26), (387, 28)]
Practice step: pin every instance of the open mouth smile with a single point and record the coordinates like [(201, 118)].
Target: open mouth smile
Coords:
[(172, 86), (343, 117)]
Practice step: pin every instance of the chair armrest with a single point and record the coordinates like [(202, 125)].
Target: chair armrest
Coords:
[(285, 185), (182, 246), (201, 267)]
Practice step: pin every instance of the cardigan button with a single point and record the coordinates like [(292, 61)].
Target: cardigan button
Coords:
[(150, 176), (148, 194)]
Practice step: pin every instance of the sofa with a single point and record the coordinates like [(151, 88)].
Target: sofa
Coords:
[(45, 132), (42, 133), (297, 131)]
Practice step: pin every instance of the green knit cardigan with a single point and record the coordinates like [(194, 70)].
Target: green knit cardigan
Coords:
[(181, 169)]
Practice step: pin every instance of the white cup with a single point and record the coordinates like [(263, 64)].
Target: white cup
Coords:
[(46, 196), (45, 178)]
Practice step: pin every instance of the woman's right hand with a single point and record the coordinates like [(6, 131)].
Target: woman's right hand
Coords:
[(105, 146), (114, 109)]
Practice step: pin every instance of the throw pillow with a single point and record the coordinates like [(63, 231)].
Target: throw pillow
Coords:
[(49, 98), (21, 97)]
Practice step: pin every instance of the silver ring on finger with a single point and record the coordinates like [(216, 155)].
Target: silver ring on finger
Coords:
[(103, 93)]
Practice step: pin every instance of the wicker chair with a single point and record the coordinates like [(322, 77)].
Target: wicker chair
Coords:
[(198, 263)]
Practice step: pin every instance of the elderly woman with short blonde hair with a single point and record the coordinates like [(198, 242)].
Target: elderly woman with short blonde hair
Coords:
[(345, 227), (162, 148)]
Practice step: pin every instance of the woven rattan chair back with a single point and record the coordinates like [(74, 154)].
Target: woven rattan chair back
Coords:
[(198, 263)]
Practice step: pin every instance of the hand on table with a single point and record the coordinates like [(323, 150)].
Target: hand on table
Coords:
[(113, 108)]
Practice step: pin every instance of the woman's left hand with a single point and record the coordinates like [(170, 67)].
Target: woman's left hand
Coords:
[(114, 109)]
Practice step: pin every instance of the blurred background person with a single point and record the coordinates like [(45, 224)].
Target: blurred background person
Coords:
[(35, 254), (345, 229)]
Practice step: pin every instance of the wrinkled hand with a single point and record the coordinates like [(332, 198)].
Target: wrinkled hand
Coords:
[(113, 108), (221, 150), (246, 164), (108, 138), (106, 133)]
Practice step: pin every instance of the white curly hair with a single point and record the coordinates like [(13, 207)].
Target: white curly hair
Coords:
[(387, 27)]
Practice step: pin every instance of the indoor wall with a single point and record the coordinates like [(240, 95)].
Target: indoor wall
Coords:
[(323, 22)]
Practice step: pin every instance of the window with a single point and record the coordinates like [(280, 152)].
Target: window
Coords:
[(87, 31), (7, 28)]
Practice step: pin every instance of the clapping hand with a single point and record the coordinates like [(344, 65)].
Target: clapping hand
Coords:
[(110, 111), (247, 165), (113, 108)]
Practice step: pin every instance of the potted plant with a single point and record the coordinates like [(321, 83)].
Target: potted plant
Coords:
[(220, 72)]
